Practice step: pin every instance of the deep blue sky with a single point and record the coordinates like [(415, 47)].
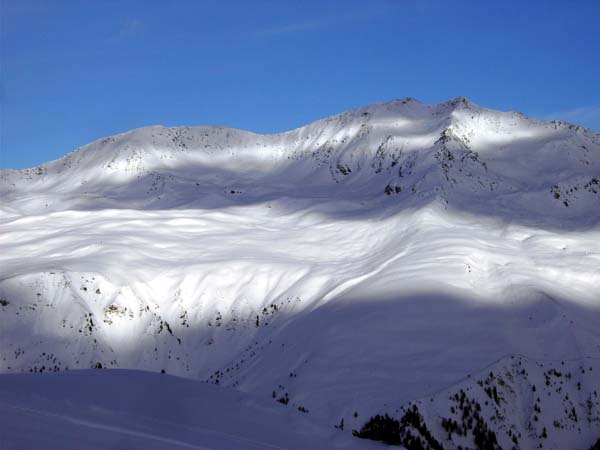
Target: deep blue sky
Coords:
[(74, 71)]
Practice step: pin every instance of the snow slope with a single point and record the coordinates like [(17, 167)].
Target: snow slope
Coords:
[(366, 260), (124, 409)]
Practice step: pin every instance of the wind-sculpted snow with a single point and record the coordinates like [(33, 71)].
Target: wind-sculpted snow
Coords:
[(342, 269)]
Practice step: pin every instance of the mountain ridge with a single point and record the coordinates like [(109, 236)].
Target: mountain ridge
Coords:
[(452, 105), (454, 151), (348, 268)]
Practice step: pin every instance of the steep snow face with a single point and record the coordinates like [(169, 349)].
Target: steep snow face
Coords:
[(345, 268)]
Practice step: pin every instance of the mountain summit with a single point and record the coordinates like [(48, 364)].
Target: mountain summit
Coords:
[(398, 256), (470, 158)]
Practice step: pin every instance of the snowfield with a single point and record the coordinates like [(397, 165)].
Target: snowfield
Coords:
[(399, 254), (124, 409)]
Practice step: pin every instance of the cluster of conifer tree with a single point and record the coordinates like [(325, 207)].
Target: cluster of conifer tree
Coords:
[(410, 431)]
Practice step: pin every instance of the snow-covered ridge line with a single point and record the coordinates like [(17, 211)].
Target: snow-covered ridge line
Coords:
[(406, 105), (554, 410), (468, 157)]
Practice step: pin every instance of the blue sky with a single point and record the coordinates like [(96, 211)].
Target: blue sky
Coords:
[(75, 71)]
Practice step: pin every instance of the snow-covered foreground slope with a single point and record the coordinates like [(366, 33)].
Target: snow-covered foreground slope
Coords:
[(380, 256), (127, 410)]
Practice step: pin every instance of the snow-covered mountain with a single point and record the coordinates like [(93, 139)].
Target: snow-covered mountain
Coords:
[(397, 253)]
